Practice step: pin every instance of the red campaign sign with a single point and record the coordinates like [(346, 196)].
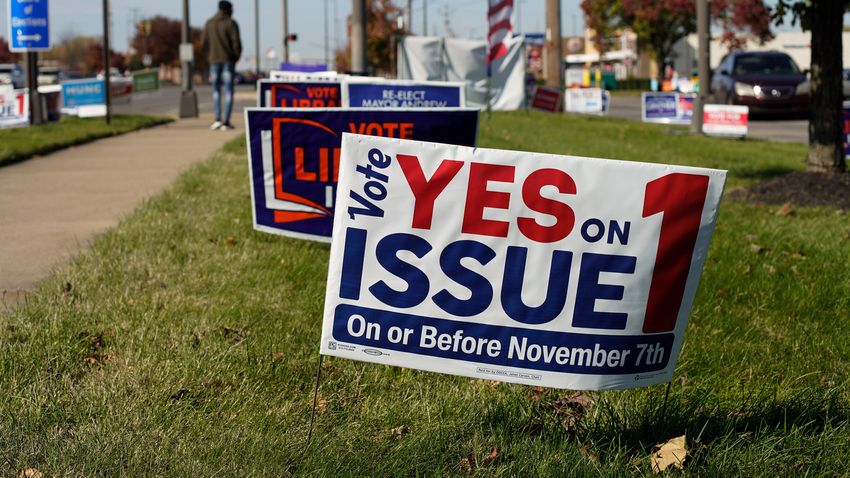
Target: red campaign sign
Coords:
[(725, 120), (546, 99), (121, 88)]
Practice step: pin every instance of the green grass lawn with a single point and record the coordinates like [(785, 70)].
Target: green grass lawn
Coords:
[(185, 344), (23, 143)]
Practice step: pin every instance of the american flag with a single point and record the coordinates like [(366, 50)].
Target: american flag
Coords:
[(499, 18)]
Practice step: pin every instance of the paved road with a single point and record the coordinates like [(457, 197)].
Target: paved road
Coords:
[(792, 131), (166, 101)]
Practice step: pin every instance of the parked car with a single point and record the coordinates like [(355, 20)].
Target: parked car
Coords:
[(765, 81), (12, 74)]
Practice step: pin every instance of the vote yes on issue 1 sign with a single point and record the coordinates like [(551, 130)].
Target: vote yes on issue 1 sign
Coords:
[(530, 268)]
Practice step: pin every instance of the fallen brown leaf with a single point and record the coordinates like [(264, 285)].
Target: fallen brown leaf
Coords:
[(231, 333), (589, 454), (758, 249), (278, 355), (572, 407), (179, 394), (98, 359), (321, 406), (399, 432), (494, 453), (537, 392), (230, 241), (30, 473), (576, 402), (672, 452), (467, 463), (784, 210)]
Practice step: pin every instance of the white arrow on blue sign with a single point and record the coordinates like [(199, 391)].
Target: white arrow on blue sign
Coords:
[(29, 25)]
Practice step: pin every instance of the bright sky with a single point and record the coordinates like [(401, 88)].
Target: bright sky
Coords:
[(466, 18)]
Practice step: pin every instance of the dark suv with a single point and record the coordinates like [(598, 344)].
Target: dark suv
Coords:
[(766, 81)]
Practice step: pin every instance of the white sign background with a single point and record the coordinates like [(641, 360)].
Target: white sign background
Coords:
[(372, 314), (725, 120), (14, 108)]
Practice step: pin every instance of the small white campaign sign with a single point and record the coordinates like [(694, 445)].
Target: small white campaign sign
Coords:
[(539, 269), (725, 120), (14, 108)]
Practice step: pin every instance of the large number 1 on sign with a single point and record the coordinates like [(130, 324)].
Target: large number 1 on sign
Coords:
[(681, 198)]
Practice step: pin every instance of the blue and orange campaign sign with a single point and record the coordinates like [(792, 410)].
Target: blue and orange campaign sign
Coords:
[(299, 94), (294, 156), (539, 269)]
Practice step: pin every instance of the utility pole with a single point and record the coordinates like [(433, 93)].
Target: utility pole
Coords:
[(32, 86), (409, 16), (703, 56), (107, 81), (327, 52), (424, 18), (188, 97), (518, 28), (257, 42), (358, 37), (284, 54), (554, 52)]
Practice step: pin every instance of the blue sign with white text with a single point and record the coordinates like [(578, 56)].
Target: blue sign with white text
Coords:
[(29, 25), (660, 106), (295, 152), (83, 93), (390, 95)]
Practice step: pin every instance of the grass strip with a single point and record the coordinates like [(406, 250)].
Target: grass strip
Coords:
[(184, 344), (20, 144)]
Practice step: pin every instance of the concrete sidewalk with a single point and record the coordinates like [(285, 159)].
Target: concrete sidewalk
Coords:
[(53, 206)]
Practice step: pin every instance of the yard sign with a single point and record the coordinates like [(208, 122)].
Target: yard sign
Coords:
[(294, 157), (530, 268)]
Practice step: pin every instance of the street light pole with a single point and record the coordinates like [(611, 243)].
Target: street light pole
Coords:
[(424, 18), (327, 51), (107, 80), (703, 67), (188, 98), (284, 54), (358, 37), (409, 16), (554, 50), (257, 42)]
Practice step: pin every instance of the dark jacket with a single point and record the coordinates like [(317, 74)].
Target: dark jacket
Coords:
[(221, 39)]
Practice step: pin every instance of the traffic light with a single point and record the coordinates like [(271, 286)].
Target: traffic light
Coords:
[(292, 37)]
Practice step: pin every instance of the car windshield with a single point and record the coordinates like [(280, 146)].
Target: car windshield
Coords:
[(765, 65)]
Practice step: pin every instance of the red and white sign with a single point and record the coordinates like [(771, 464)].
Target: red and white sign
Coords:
[(725, 120), (14, 108), (546, 99), (558, 271), (500, 28)]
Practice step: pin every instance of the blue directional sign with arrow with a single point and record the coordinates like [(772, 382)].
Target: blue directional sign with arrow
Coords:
[(29, 25)]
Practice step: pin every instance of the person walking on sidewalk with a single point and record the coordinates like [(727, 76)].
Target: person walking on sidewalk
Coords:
[(223, 48)]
